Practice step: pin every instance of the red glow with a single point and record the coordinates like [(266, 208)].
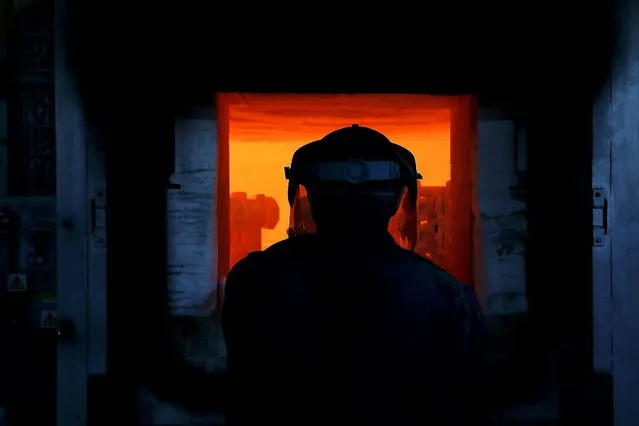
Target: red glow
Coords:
[(265, 131)]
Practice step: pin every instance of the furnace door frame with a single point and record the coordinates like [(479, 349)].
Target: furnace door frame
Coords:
[(463, 182), (463, 138)]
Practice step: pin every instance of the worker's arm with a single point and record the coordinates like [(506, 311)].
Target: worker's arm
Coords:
[(474, 390), (243, 348)]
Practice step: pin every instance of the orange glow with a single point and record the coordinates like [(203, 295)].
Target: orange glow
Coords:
[(265, 131)]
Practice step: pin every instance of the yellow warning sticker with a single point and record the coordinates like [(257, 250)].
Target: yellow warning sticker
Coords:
[(16, 282), (48, 297), (49, 319)]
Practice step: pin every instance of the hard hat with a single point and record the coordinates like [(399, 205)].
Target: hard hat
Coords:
[(356, 159)]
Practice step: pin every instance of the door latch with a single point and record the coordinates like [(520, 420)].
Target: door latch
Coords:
[(98, 219), (599, 217)]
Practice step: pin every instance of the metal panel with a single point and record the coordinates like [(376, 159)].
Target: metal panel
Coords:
[(3, 149), (37, 138), (624, 220), (72, 231), (33, 137)]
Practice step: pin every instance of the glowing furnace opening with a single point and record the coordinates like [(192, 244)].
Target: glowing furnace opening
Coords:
[(265, 131)]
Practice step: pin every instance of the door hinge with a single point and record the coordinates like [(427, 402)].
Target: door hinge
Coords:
[(98, 219), (599, 217)]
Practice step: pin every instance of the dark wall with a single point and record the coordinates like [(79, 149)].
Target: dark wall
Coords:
[(138, 67), (559, 252)]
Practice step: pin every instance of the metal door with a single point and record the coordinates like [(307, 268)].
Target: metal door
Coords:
[(81, 243), (602, 304), (601, 241), (623, 221)]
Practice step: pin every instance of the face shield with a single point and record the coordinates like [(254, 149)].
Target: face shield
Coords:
[(361, 187)]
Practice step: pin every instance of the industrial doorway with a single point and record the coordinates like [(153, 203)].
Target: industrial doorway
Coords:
[(265, 130), (228, 196)]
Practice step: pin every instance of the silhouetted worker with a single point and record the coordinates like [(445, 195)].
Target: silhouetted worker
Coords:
[(344, 326)]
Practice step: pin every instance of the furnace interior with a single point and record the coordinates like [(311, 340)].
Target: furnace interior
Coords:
[(265, 130)]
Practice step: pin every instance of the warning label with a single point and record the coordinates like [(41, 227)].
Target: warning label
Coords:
[(49, 319), (16, 282), (49, 298)]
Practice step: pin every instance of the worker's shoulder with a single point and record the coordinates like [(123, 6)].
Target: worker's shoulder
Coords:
[(258, 261), (295, 245), (433, 273), (423, 264)]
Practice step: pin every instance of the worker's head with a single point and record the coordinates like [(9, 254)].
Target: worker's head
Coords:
[(355, 178)]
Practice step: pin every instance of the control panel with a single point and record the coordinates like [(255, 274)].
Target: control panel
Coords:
[(28, 290), (27, 262), (28, 315)]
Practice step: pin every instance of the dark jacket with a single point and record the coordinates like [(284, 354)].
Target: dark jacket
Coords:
[(323, 331)]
